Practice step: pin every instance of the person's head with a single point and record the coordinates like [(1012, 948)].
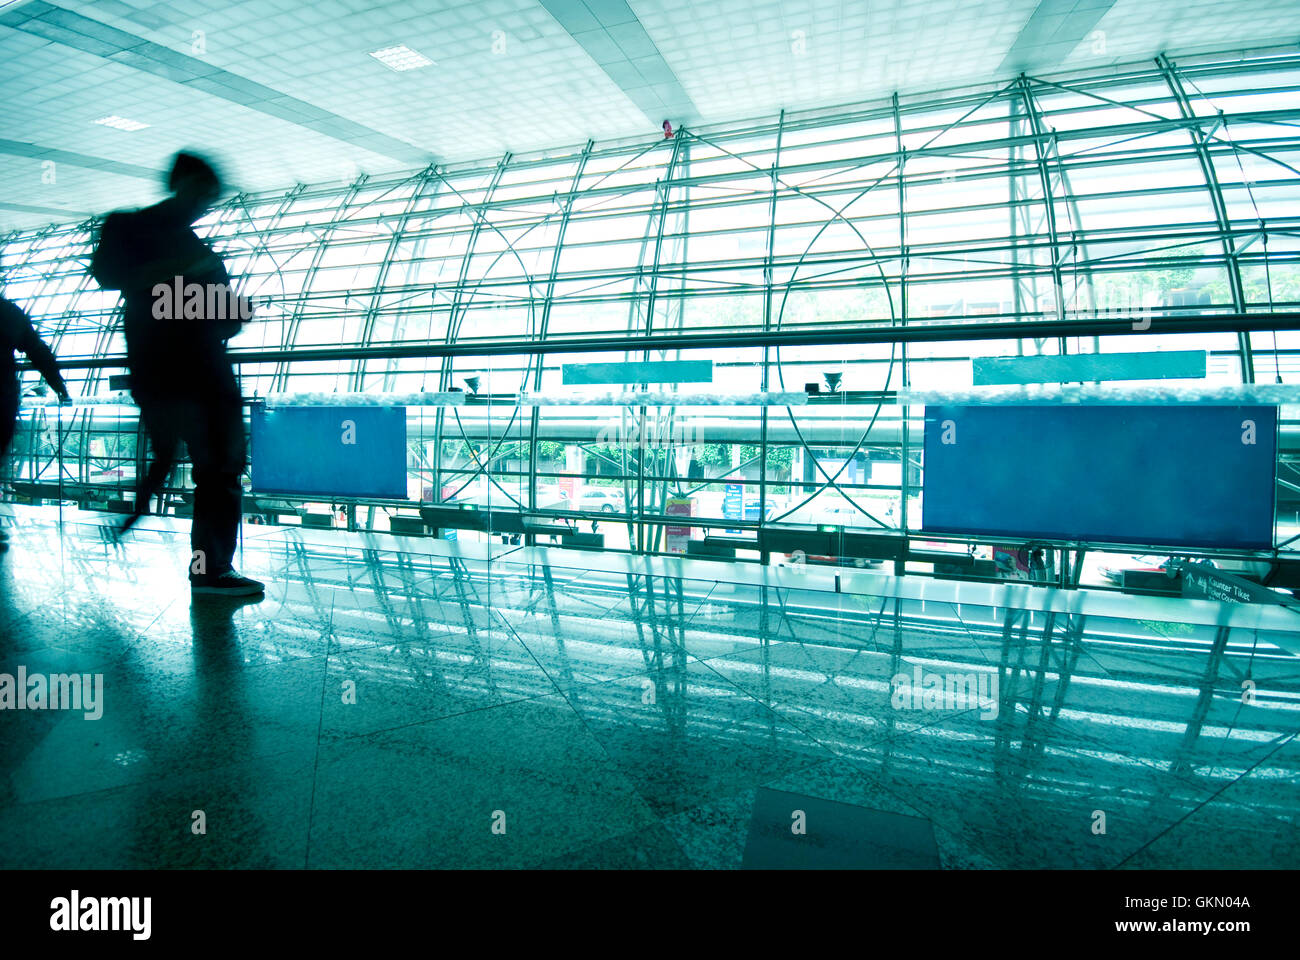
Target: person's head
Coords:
[(195, 186)]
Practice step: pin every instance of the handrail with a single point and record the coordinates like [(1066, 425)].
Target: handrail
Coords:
[(916, 331)]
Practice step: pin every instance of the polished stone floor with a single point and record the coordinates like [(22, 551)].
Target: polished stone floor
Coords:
[(399, 703)]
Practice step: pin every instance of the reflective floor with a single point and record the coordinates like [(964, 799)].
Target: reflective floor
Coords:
[(391, 703)]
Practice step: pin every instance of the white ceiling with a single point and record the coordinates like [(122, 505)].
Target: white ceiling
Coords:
[(284, 91)]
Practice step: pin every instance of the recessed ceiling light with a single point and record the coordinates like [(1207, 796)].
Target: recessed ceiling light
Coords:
[(401, 57), (121, 123)]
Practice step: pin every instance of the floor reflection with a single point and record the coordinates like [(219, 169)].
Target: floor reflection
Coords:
[(382, 705)]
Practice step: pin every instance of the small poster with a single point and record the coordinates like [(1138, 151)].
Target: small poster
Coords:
[(1011, 564), (568, 487), (678, 536)]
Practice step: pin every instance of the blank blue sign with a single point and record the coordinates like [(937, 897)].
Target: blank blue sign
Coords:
[(639, 371), (1182, 475), (1082, 367), (330, 451)]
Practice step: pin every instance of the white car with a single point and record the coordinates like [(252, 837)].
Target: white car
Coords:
[(842, 515), (602, 500), (846, 515), (1113, 567)]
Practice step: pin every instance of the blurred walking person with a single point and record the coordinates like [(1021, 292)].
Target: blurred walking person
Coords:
[(180, 311), (17, 333)]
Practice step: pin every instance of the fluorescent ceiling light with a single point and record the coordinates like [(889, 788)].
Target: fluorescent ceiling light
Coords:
[(401, 57), (121, 123)]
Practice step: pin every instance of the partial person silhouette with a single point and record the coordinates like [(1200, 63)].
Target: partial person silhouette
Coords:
[(180, 309), (17, 333)]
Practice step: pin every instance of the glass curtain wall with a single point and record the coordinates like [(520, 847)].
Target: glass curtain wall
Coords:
[(1159, 190)]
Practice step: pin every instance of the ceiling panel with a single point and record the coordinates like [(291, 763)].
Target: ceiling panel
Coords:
[(285, 91)]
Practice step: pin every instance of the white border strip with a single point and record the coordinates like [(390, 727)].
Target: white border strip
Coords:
[(457, 399), (1275, 394), (1251, 393)]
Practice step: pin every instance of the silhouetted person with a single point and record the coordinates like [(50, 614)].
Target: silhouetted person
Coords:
[(180, 311), (17, 333)]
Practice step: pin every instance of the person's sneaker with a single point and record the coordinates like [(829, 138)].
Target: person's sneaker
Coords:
[(228, 584)]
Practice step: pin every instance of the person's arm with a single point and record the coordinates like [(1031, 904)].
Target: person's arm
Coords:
[(42, 358)]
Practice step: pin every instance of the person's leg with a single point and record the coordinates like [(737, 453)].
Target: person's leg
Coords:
[(8, 420), (161, 417), (8, 424), (216, 444)]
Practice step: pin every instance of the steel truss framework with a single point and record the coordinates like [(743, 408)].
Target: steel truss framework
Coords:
[(1152, 197)]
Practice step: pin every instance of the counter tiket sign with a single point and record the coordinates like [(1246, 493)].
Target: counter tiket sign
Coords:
[(1201, 580)]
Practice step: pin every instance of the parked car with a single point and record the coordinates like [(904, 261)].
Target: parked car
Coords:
[(843, 514), (1112, 568), (847, 515), (602, 500)]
